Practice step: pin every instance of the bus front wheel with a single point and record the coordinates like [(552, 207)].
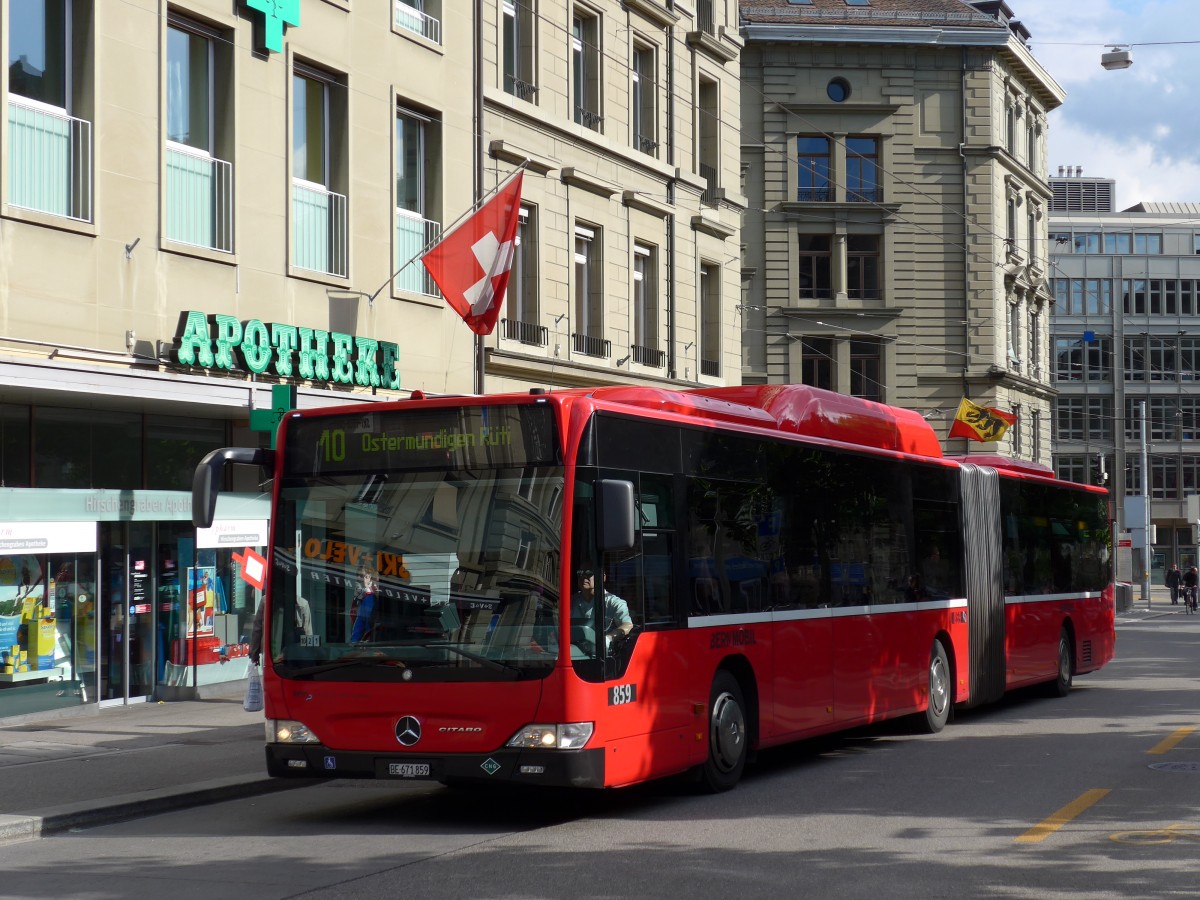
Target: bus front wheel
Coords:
[(727, 735), (1061, 685)]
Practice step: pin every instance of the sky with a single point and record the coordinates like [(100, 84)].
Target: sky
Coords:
[(1141, 125)]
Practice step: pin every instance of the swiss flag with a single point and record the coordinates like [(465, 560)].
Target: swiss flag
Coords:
[(471, 263)]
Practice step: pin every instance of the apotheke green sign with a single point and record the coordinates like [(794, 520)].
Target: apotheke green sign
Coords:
[(218, 342)]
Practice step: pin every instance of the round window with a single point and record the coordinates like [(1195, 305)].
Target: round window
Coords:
[(838, 90)]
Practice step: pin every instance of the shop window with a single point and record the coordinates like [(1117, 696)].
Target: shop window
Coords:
[(84, 448), (14, 446), (173, 447)]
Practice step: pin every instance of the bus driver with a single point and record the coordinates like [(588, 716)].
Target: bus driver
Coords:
[(616, 619)]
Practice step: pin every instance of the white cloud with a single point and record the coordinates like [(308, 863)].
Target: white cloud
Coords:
[(1137, 165)]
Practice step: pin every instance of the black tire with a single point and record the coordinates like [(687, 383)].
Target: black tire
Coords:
[(1061, 685), (941, 691), (728, 737)]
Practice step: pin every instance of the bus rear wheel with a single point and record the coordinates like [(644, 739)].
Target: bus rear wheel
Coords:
[(727, 736), (941, 690)]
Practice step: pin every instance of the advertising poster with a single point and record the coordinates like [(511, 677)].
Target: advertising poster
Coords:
[(201, 599)]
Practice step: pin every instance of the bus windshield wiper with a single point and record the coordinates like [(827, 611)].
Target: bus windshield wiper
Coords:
[(475, 657), (354, 659)]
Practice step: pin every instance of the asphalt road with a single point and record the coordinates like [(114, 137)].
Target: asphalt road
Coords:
[(1093, 796)]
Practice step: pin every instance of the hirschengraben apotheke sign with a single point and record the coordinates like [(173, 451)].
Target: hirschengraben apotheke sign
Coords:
[(219, 342)]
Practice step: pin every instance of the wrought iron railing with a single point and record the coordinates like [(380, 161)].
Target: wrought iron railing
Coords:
[(526, 332), (648, 356), (864, 195), (518, 88), (591, 346), (319, 229), (709, 174), (49, 160), (199, 209), (814, 194), (588, 119), (710, 367), (646, 145)]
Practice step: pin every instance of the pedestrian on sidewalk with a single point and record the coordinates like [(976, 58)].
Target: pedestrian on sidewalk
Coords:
[(1173, 580)]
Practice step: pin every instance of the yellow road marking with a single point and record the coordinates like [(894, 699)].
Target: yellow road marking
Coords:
[(1169, 743), (1049, 825)]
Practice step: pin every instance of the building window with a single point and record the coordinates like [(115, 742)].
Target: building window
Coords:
[(1163, 357), (862, 170), (589, 299), (1164, 477), (1135, 359), (1147, 243), (708, 135), (1087, 242), (1035, 344), (518, 40), (421, 17), (1036, 427), (815, 266), (1189, 359), (49, 150), (862, 266), (816, 363), (710, 319), (1010, 128), (645, 306), (1015, 432), (1031, 236), (1010, 228), (418, 181), (319, 213), (199, 185), (812, 174), (838, 90), (866, 370), (1117, 242), (1083, 418), (644, 113), (1031, 138), (1082, 296), (1133, 296), (1013, 327), (585, 69), (521, 301)]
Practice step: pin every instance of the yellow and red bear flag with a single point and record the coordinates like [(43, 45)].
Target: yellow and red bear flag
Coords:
[(980, 423)]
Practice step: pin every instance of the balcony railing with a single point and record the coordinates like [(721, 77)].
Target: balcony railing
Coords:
[(591, 346), (710, 367), (864, 195), (199, 199), (522, 89), (588, 119), (646, 144), (319, 237), (417, 21), (414, 234), (648, 356), (709, 174), (525, 332), (814, 194), (704, 17), (49, 160)]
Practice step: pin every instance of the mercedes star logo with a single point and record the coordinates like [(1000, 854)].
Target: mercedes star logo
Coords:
[(408, 730)]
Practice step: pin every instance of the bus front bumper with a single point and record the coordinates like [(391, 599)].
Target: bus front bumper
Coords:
[(554, 768)]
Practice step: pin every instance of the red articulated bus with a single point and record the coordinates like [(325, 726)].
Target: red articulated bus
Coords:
[(602, 586)]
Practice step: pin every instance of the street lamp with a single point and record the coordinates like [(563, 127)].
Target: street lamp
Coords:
[(1119, 57)]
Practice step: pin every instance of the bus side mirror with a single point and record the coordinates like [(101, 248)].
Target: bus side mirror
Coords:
[(206, 483), (616, 514)]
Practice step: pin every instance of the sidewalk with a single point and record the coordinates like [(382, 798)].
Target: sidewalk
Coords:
[(105, 765)]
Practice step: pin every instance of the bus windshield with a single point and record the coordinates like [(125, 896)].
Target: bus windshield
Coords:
[(418, 545)]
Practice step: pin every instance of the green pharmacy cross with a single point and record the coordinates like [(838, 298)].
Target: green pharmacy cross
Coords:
[(283, 399), (275, 14)]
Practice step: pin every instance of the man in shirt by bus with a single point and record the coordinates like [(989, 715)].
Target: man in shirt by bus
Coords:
[(615, 615)]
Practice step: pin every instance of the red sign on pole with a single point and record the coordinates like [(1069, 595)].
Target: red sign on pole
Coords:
[(254, 567)]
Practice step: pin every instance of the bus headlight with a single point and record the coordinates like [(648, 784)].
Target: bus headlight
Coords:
[(284, 731), (564, 736)]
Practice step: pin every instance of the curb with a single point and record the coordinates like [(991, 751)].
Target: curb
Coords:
[(92, 813)]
